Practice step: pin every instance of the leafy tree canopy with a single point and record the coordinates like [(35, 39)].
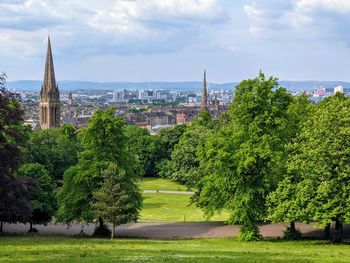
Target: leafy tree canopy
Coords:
[(103, 142), (55, 149), (319, 168), (244, 161), (41, 195), (145, 148)]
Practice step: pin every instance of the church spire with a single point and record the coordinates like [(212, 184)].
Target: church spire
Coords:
[(49, 113), (204, 92), (49, 75)]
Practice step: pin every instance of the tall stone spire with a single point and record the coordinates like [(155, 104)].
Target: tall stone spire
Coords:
[(204, 92), (49, 75), (49, 113)]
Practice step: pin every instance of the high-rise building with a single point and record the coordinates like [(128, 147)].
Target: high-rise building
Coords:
[(204, 92), (49, 111), (339, 89)]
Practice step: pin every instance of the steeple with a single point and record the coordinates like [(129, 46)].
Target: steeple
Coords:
[(204, 92), (70, 98), (49, 94), (49, 76)]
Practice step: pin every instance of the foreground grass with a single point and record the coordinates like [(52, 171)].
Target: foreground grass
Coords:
[(160, 184), (64, 249), (172, 207)]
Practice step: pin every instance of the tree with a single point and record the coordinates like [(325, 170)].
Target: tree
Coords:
[(103, 142), (119, 199), (184, 163), (169, 137), (41, 195), (55, 149), (283, 203), (145, 149), (320, 167), (244, 160), (13, 205)]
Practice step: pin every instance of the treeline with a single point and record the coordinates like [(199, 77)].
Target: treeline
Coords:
[(271, 158), (90, 175)]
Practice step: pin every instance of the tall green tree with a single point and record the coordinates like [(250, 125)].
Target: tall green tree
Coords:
[(119, 199), (41, 195), (244, 161), (283, 203), (103, 142), (319, 166)]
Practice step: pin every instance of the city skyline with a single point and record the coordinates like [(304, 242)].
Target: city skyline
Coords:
[(164, 41)]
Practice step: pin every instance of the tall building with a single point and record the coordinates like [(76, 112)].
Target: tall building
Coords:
[(70, 99), (204, 92), (49, 111), (338, 89)]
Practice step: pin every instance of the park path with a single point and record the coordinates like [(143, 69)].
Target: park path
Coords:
[(169, 230), (167, 192)]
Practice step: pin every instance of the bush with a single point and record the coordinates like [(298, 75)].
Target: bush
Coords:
[(249, 233)]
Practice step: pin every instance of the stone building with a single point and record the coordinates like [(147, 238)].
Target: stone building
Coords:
[(70, 99), (49, 107)]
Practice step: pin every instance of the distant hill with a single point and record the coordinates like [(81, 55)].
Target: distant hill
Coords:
[(68, 85), (34, 85)]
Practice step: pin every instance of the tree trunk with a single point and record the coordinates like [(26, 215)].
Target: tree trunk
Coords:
[(1, 226), (30, 226), (327, 232), (338, 232), (113, 231), (292, 226), (100, 222)]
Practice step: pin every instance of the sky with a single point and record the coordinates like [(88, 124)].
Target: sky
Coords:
[(174, 40)]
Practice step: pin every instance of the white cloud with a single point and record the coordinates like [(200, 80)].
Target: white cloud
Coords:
[(114, 26), (266, 15), (158, 19), (341, 6), (308, 18), (307, 12)]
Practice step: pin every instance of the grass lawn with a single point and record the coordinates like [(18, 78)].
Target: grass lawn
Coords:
[(65, 249), (160, 184), (172, 207)]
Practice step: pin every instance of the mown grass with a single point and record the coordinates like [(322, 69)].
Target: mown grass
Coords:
[(173, 207), (64, 249), (160, 184)]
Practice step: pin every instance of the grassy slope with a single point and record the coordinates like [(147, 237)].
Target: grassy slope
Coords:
[(160, 184), (60, 249), (172, 207)]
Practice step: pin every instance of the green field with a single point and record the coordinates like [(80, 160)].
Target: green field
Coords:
[(160, 184), (64, 249), (172, 207)]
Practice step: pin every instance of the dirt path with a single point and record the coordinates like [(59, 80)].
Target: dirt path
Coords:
[(168, 230)]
